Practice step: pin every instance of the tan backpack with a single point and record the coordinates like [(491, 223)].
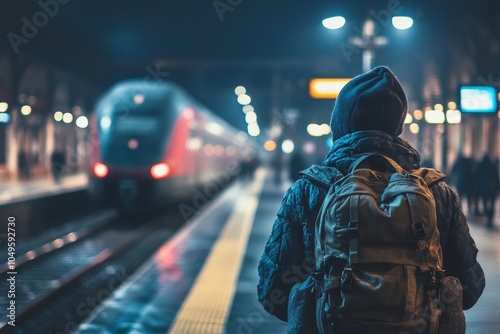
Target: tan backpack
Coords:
[(378, 252)]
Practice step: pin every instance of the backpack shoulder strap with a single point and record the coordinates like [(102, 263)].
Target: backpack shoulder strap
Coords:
[(323, 176), (429, 175), (378, 162)]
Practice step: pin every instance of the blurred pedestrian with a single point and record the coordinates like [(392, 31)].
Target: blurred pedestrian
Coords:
[(23, 165), (297, 163), (57, 164), (249, 165), (463, 175), (427, 163), (488, 182)]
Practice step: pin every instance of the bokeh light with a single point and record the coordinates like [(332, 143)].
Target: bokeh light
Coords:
[(335, 22)]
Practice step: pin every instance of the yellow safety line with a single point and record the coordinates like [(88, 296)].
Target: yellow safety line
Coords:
[(207, 305)]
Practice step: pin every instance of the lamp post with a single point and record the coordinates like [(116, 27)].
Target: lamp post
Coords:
[(437, 116), (368, 41)]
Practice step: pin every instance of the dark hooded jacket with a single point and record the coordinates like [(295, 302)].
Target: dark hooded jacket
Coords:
[(289, 253)]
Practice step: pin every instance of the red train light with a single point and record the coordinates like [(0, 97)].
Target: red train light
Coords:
[(100, 170), (160, 170)]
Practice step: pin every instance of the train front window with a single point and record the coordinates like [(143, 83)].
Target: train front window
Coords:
[(134, 125), (135, 140)]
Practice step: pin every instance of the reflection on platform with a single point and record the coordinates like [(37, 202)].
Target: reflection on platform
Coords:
[(14, 191)]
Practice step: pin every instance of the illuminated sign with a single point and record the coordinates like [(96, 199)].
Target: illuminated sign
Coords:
[(4, 118), (326, 88), (478, 99)]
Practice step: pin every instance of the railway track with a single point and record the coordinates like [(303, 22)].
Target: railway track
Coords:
[(55, 269), (66, 235)]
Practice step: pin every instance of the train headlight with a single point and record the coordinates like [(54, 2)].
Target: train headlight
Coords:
[(100, 169), (160, 170)]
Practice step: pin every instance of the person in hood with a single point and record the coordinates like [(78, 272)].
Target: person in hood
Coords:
[(368, 117), (488, 184)]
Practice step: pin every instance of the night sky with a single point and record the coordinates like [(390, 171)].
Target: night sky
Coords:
[(209, 47)]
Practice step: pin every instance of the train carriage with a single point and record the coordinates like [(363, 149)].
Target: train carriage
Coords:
[(153, 144)]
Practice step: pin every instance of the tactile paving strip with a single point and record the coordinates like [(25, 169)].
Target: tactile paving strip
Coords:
[(207, 305)]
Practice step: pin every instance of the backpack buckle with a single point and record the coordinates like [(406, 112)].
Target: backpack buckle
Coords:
[(346, 280), (317, 275), (352, 229), (429, 280), (419, 231)]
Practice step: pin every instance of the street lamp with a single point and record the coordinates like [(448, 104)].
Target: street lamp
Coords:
[(402, 22), (368, 41), (335, 22)]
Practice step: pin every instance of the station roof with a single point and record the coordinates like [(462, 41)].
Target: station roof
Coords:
[(218, 44)]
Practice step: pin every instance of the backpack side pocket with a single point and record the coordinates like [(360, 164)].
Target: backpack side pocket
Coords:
[(301, 308)]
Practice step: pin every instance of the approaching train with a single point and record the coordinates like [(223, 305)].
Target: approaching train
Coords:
[(153, 144)]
